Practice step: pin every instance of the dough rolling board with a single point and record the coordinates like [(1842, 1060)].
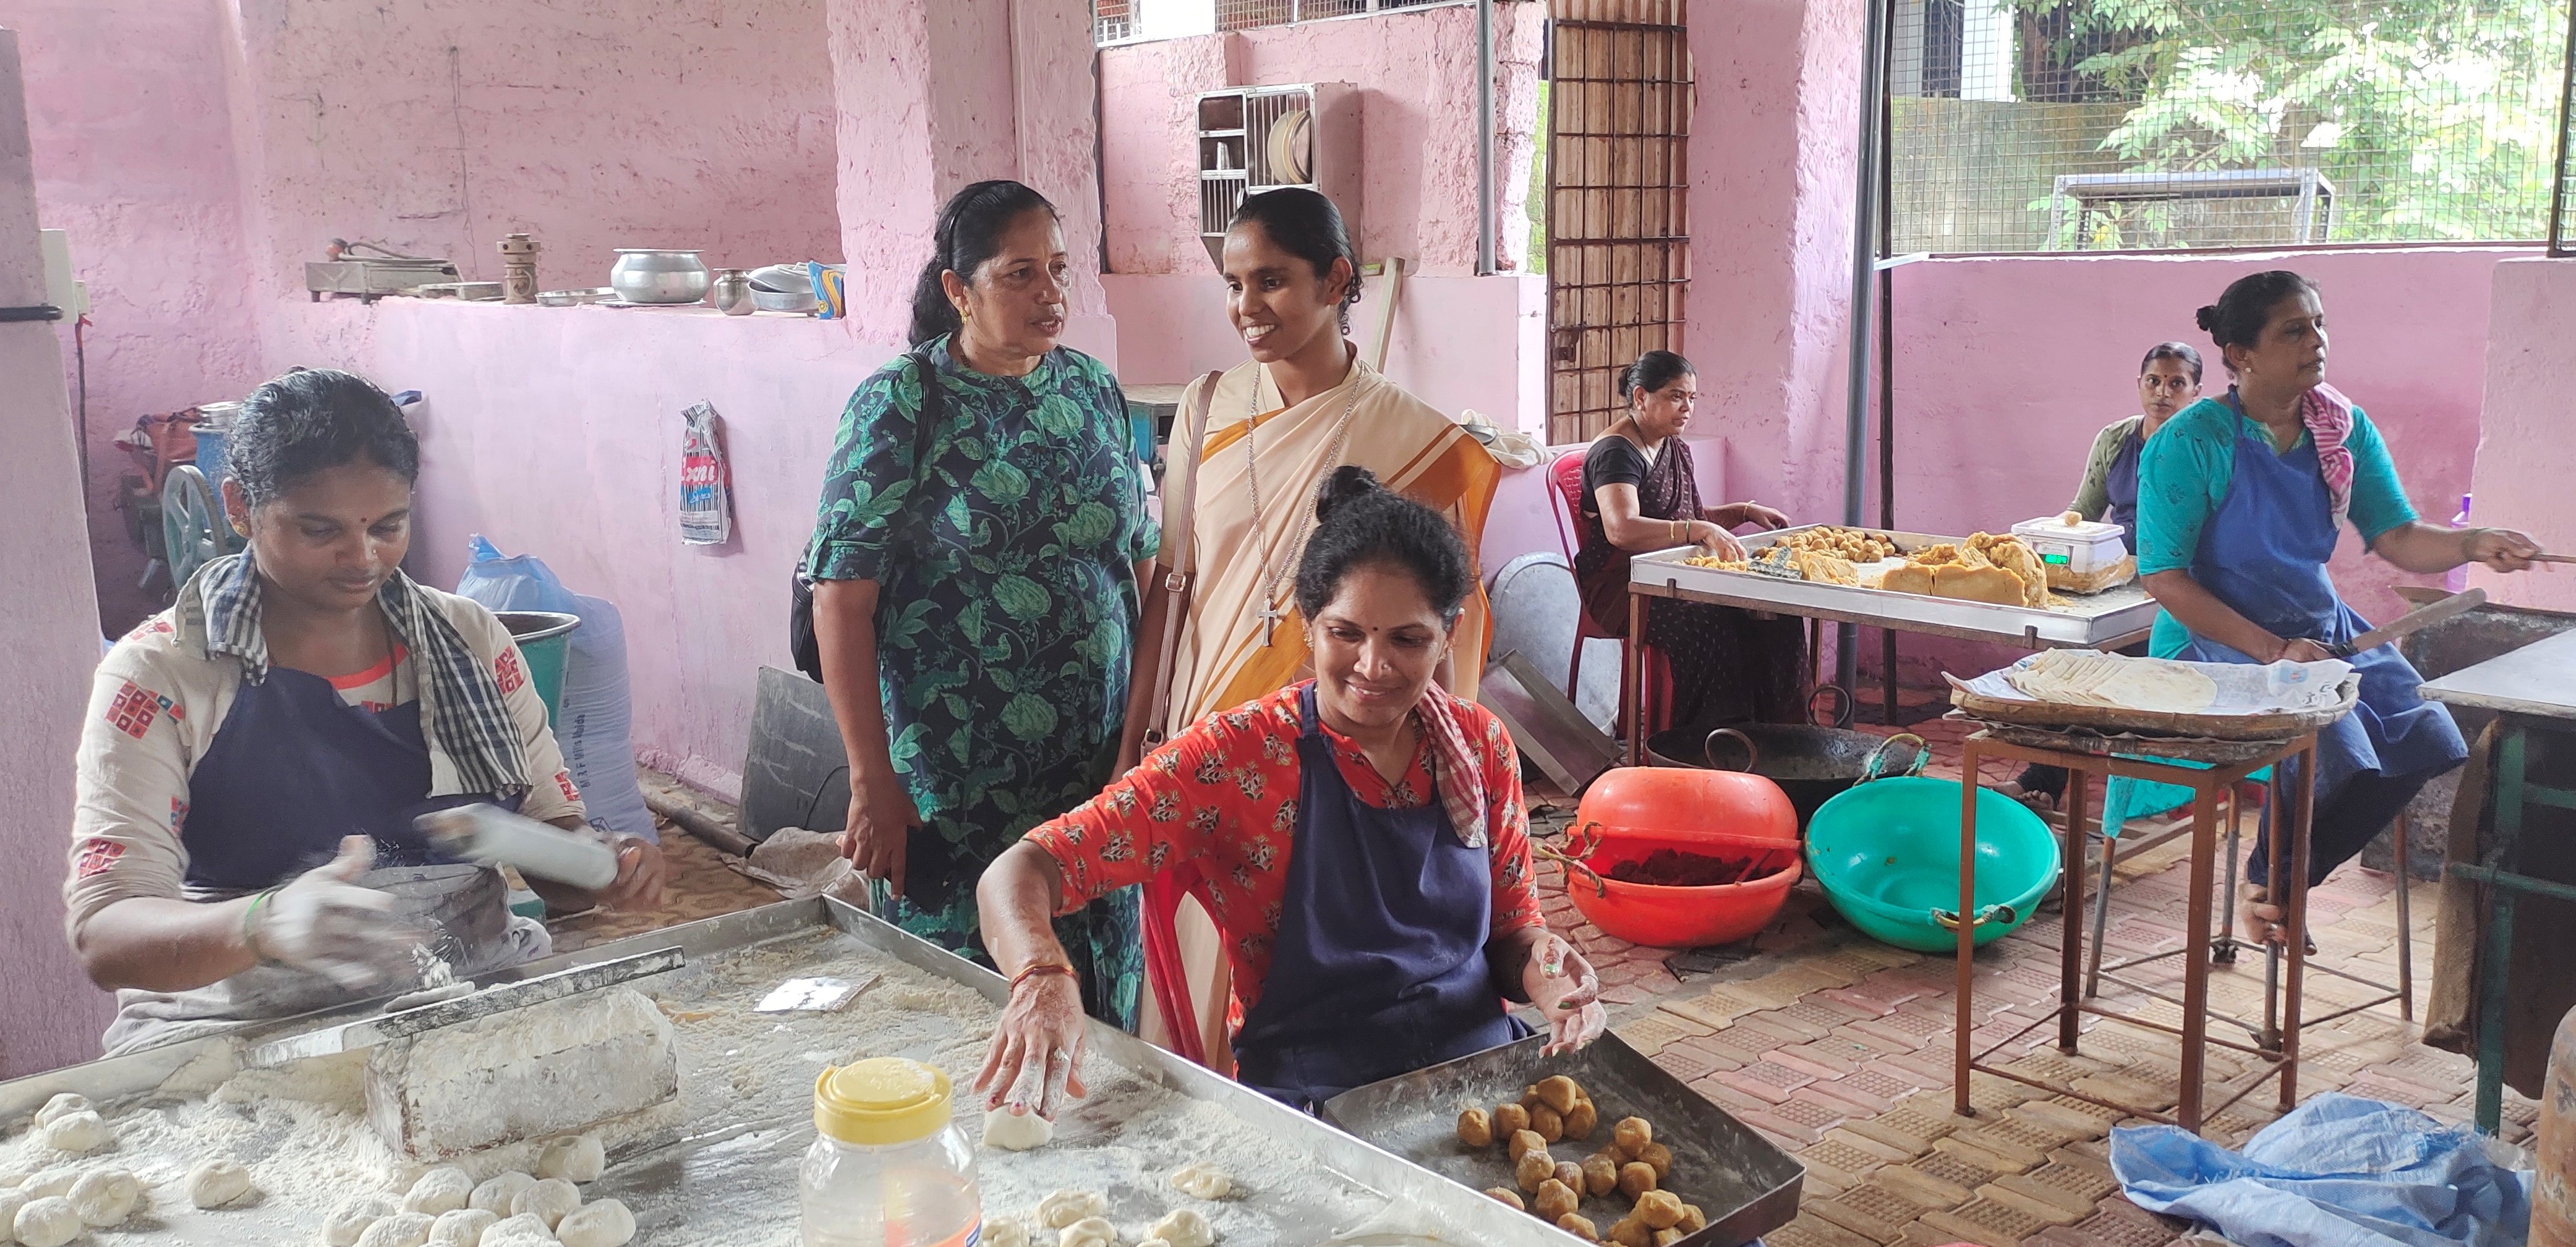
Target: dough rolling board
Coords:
[(495, 998)]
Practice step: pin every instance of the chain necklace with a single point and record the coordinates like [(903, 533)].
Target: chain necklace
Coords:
[(1271, 573)]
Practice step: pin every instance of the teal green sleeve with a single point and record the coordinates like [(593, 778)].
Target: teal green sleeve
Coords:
[(2183, 475), (2378, 500)]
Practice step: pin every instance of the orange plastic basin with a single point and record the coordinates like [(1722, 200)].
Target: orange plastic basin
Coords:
[(1632, 811)]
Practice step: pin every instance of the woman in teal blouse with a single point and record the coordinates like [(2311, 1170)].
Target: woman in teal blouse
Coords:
[(2240, 502)]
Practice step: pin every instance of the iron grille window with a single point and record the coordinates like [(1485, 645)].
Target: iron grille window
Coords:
[(1112, 20), (1115, 20), (2047, 125)]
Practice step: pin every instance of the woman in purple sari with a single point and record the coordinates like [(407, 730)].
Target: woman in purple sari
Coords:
[(1639, 496)]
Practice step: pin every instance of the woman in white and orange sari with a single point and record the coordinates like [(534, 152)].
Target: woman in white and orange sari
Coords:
[(1266, 434)]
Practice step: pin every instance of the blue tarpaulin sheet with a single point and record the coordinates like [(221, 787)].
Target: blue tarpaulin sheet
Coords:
[(2338, 1171)]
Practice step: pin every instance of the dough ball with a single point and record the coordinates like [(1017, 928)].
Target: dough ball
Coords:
[(1509, 1120), (1580, 1226), (1571, 1174), (1666, 1238), (1548, 1123), (1631, 1134), (1534, 1168), (1016, 1132), (1088, 1232), (1559, 1093), (1554, 1200), (403, 1229), (1153, 1242), (47, 1222), (78, 1132), (573, 1158), (600, 1223), (1693, 1220), (64, 1104), (1203, 1181), (550, 1201), (1660, 1210), (496, 1192), (527, 1230), (105, 1197), (1063, 1208), (1183, 1227), (1659, 1156), (1005, 1232), (1524, 1142), (1581, 1120), (440, 1191), (1636, 1178), (1476, 1128), (1630, 1232), (57, 1181), (11, 1200), (1600, 1174), (462, 1228), (215, 1183), (1507, 1195), (354, 1215)]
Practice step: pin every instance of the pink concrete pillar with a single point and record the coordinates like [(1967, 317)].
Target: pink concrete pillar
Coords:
[(2524, 458), (934, 95), (49, 617)]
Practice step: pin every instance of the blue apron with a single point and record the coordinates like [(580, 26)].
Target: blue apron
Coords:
[(2263, 553), (1379, 965), (2122, 485), (293, 769)]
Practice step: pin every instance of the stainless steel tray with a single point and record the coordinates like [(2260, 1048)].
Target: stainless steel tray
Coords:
[(733, 1180), (2088, 620), (1747, 1186)]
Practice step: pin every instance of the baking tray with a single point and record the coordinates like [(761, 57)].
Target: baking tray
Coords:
[(2110, 618), (2054, 716), (733, 1181), (1746, 1185)]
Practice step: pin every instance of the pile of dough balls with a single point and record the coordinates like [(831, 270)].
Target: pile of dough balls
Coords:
[(55, 1206), (1081, 1218), (446, 1207), (1631, 1164)]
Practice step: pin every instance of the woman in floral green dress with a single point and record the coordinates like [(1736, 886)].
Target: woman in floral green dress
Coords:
[(975, 569)]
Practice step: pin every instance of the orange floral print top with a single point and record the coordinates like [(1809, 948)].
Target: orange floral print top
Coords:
[(1222, 798)]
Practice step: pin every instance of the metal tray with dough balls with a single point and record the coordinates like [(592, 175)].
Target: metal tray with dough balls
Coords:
[(1744, 1183)]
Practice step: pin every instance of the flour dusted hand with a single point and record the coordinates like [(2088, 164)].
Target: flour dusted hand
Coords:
[(215, 1183), (604, 1223), (324, 922)]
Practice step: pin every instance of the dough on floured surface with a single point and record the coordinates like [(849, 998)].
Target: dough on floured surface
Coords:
[(573, 1158), (215, 1183), (1005, 1232), (54, 1181), (496, 1192), (11, 1201), (462, 1228), (1063, 1208), (441, 1190), (78, 1132), (524, 1230), (1203, 1181), (105, 1197), (354, 1215), (1016, 1132), (403, 1229), (1183, 1227), (1089, 1232), (605, 1223), (550, 1201), (63, 1104), (48, 1222)]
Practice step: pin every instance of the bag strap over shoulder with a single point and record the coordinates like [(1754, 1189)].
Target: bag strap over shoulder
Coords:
[(1180, 570)]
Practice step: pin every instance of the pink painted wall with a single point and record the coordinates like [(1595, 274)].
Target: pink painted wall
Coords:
[(50, 617), (134, 158), (2525, 458)]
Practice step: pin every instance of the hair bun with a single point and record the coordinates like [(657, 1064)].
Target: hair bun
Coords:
[(1347, 482), (2207, 318)]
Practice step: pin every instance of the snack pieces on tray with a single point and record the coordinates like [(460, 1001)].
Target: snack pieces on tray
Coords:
[(1857, 545), (2076, 677), (1631, 1168), (1985, 568), (1724, 565)]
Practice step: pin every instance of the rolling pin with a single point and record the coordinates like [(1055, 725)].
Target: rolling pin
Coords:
[(492, 836)]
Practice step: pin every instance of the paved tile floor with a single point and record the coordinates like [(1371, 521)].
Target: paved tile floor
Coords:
[(1840, 1050)]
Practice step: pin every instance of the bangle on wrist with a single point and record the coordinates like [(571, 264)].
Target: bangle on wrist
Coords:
[(250, 924), (1038, 969)]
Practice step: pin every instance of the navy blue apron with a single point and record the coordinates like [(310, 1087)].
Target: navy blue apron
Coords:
[(2122, 485), (2263, 553), (1379, 966), (293, 769)]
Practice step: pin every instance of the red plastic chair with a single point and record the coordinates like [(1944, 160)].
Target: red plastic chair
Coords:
[(1566, 475)]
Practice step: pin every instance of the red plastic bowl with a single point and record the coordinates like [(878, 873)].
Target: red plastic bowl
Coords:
[(1642, 913)]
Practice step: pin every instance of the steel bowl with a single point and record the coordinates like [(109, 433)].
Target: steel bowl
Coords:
[(646, 276)]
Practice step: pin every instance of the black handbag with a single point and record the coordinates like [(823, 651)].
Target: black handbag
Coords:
[(802, 644)]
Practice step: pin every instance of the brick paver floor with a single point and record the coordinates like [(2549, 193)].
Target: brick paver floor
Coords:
[(1839, 1049)]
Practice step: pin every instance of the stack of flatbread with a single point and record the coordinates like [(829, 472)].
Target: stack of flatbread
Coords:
[(2078, 677)]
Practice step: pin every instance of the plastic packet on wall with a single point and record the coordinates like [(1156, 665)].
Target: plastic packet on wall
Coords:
[(706, 483), (829, 301)]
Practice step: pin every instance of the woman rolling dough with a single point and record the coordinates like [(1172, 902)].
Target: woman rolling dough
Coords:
[(1358, 837)]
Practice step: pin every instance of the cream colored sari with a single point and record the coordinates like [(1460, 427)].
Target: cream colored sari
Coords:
[(1221, 660)]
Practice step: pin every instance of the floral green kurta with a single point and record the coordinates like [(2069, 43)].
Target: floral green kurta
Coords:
[(1006, 621)]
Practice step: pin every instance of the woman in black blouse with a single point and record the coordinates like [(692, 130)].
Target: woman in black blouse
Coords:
[(1639, 496)]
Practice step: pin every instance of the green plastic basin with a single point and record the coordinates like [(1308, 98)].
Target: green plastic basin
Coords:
[(1887, 855)]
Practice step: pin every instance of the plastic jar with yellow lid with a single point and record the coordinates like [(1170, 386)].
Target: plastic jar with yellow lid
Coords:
[(889, 1167)]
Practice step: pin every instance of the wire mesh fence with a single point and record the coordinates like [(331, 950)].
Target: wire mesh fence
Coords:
[(1252, 14), (2050, 125)]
